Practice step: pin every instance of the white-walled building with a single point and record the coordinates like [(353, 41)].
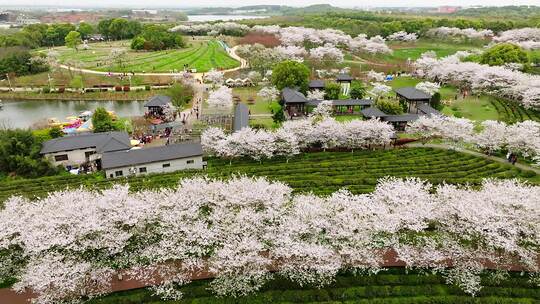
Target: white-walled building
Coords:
[(161, 159), (73, 151)]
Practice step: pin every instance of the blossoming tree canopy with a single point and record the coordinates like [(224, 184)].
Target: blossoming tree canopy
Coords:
[(522, 138), (319, 129), (220, 98), (245, 230), (497, 80)]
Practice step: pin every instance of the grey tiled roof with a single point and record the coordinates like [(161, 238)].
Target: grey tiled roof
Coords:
[(102, 142), (293, 96), (158, 101), (428, 110), (316, 84), (149, 155), (400, 118), (241, 117), (344, 102), (411, 93), (344, 77), (372, 112)]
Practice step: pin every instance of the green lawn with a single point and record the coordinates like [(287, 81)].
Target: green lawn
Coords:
[(259, 106), (320, 173), (471, 107), (393, 286), (403, 51), (202, 55)]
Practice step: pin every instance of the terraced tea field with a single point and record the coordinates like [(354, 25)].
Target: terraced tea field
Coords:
[(202, 55), (321, 173), (394, 286)]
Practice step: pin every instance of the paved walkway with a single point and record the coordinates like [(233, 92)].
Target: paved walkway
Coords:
[(490, 157)]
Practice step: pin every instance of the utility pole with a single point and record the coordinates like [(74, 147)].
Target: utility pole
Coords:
[(50, 80), (9, 82)]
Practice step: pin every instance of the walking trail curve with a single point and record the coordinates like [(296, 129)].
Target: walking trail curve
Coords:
[(231, 51), (494, 158)]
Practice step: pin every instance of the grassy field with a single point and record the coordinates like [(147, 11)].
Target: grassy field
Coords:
[(480, 108), (63, 78), (320, 173), (403, 51), (394, 286), (259, 106), (202, 55)]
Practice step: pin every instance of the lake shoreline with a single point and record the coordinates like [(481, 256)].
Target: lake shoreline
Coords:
[(23, 96)]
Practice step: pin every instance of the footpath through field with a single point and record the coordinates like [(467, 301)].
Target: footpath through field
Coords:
[(494, 158)]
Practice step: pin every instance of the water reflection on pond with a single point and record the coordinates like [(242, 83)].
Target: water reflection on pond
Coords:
[(24, 114)]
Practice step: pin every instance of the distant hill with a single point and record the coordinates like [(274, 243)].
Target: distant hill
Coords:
[(513, 11)]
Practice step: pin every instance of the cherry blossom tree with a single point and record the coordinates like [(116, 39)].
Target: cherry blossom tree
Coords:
[(242, 230), (315, 95), (528, 38), (379, 90), (496, 80), (323, 109), (375, 76), (429, 88), (292, 52), (403, 36), (328, 52), (220, 98), (470, 33), (268, 93), (215, 77), (492, 137)]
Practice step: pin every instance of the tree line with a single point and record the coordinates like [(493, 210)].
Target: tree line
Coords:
[(372, 24), (48, 35)]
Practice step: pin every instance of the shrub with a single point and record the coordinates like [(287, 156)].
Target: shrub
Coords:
[(147, 87), (126, 88), (46, 90), (118, 88)]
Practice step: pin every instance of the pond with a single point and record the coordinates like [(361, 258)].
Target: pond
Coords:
[(207, 18), (24, 114)]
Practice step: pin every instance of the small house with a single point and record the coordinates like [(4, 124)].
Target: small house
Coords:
[(294, 101), (345, 81), (413, 97), (160, 159), (74, 151), (316, 84), (157, 104)]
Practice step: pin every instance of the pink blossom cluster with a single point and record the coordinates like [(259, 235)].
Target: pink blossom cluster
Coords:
[(403, 36), (522, 137), (243, 231), (496, 80), (220, 98), (528, 38), (443, 32), (296, 135), (301, 36), (214, 28)]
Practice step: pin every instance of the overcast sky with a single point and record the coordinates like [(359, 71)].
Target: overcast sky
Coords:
[(341, 3)]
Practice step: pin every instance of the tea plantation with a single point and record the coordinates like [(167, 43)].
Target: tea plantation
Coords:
[(320, 173), (393, 286)]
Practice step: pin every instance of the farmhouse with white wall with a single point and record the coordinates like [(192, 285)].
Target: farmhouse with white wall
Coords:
[(161, 159), (73, 151)]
